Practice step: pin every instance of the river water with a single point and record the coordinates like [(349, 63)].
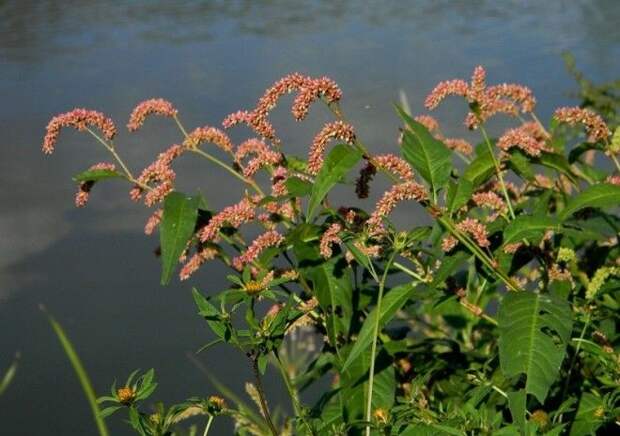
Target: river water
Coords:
[(93, 268)]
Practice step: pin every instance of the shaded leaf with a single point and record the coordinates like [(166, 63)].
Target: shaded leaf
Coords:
[(391, 303), (601, 195), (529, 228)]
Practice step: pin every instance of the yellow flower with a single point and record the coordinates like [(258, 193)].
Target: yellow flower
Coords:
[(126, 395)]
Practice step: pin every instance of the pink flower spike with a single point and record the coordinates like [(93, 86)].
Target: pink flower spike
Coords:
[(79, 119), (395, 165), (208, 134), (330, 237), (196, 261), (594, 124), (398, 193), (336, 130), (156, 106), (528, 137), (153, 222), (234, 216), (271, 238), (264, 156), (476, 229), (444, 89), (429, 122)]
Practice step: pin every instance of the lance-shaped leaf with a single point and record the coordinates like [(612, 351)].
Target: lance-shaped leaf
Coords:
[(392, 302), (338, 162), (533, 332), (176, 228), (601, 195), (96, 175), (529, 228), (458, 194), (429, 156)]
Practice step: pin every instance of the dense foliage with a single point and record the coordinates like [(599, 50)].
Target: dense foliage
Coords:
[(500, 317)]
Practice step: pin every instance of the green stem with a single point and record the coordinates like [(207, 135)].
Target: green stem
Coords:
[(498, 170), (574, 358), (375, 335), (292, 392), (261, 397), (615, 159), (115, 155), (206, 432), (217, 161)]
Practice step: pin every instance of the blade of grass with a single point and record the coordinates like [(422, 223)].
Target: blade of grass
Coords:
[(9, 375), (87, 386)]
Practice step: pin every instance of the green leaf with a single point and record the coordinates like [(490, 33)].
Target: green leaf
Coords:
[(480, 169), (87, 386), (177, 227), (96, 175), (458, 195), (449, 265), (533, 332), (529, 227), (601, 195), (520, 164), (297, 187), (332, 285), (586, 420), (392, 302), (210, 313), (557, 162), (429, 156), (338, 162), (516, 403), (9, 375)]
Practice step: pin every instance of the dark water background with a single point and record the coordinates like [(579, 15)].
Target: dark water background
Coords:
[(93, 267)]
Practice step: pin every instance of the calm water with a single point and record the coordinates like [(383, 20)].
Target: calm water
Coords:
[(93, 267)]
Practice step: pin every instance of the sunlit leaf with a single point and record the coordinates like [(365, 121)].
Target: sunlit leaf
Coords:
[(176, 228)]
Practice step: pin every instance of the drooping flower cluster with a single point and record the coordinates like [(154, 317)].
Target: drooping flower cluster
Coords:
[(476, 230), (529, 137), (233, 216), (395, 165), (79, 119), (264, 156), (594, 124), (328, 238), (505, 98), (336, 130), (260, 126), (398, 193), (491, 200), (160, 175), (153, 221), (308, 89), (201, 135), (270, 238), (154, 106), (191, 266)]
